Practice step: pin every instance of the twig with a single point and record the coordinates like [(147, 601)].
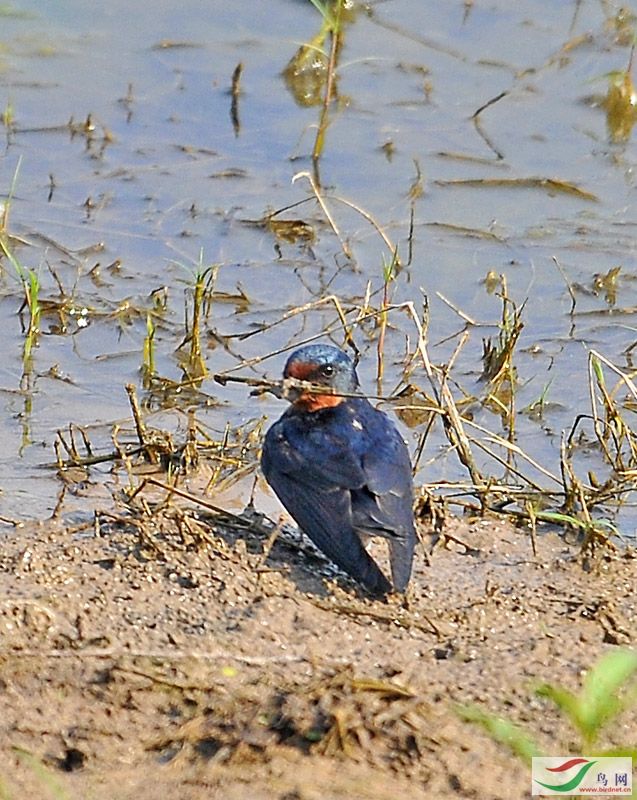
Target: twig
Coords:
[(392, 618), (568, 284), (458, 311), (319, 141), (366, 215), (137, 417), (475, 118), (173, 490), (324, 208), (168, 655), (235, 91), (514, 448)]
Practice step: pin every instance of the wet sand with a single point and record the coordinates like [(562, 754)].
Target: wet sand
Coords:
[(169, 656)]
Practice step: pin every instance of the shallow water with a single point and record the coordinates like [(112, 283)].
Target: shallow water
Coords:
[(165, 175)]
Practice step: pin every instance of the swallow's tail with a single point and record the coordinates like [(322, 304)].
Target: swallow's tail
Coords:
[(401, 556), (325, 517), (366, 571)]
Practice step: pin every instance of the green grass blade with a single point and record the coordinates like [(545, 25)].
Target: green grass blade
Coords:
[(4, 791), (599, 701), (53, 787), (567, 702), (502, 731)]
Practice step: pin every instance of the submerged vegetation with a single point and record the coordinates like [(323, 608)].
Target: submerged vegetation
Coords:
[(500, 476), (478, 426)]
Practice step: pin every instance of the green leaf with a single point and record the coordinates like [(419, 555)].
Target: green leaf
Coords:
[(502, 731), (599, 702), (566, 701), (324, 11)]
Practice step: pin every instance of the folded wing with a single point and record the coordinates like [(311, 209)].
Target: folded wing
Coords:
[(384, 505), (321, 507)]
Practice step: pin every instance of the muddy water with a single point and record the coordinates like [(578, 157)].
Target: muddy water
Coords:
[(110, 212)]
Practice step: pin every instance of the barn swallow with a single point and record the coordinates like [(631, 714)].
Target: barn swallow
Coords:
[(342, 470)]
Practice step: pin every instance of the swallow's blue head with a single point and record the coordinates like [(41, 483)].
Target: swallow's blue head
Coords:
[(325, 365)]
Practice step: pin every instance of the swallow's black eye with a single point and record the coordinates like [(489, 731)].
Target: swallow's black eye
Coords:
[(326, 370)]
